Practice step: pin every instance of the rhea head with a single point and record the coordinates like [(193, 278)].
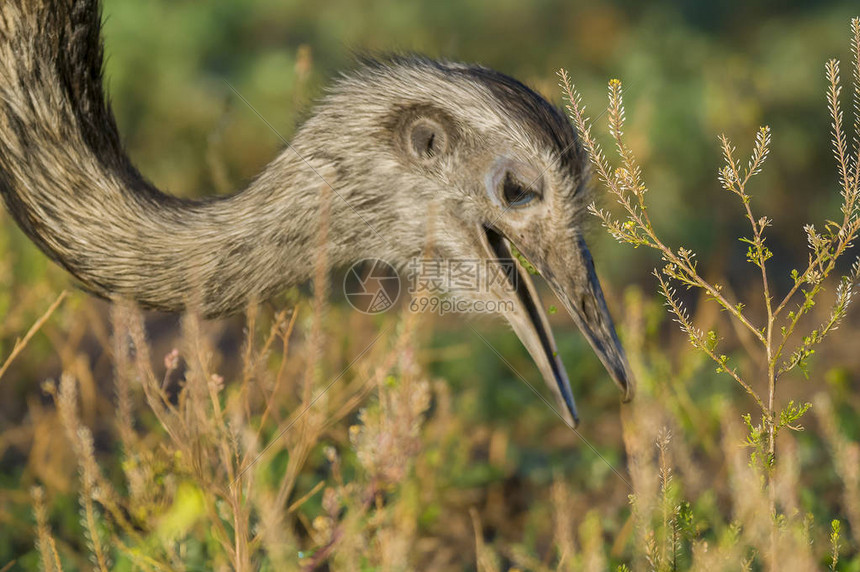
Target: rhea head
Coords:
[(471, 164)]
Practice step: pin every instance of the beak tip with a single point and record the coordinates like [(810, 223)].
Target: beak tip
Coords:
[(627, 383), (628, 388), (571, 413), (572, 418), (628, 395)]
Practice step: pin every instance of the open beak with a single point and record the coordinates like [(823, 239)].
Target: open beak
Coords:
[(571, 276)]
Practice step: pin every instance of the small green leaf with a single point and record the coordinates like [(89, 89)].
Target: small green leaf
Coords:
[(711, 340), (526, 264)]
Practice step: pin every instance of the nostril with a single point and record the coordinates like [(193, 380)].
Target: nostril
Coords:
[(586, 305)]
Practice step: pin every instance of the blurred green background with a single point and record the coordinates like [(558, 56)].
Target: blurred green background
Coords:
[(691, 69)]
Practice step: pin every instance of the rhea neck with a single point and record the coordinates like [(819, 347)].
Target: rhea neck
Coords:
[(303, 210), (122, 238), (65, 178)]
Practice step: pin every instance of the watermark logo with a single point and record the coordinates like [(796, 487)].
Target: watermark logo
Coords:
[(461, 286), (371, 286), (436, 286), (454, 305), (463, 276)]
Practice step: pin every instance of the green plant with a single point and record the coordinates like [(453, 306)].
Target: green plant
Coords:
[(781, 324), (498, 483)]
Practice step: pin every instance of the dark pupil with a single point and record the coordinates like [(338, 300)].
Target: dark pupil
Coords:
[(514, 193), (423, 140)]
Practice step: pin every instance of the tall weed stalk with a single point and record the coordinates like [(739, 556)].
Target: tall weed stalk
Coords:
[(780, 344)]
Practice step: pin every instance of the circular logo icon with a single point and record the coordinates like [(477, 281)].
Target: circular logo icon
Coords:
[(371, 286)]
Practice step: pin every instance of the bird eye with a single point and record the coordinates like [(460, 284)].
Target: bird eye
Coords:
[(516, 194), (424, 143), (426, 139)]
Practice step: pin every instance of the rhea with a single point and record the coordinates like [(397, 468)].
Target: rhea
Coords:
[(410, 152)]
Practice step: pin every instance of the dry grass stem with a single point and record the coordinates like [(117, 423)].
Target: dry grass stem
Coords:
[(21, 343)]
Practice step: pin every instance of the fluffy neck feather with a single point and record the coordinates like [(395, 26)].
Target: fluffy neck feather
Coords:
[(66, 179)]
